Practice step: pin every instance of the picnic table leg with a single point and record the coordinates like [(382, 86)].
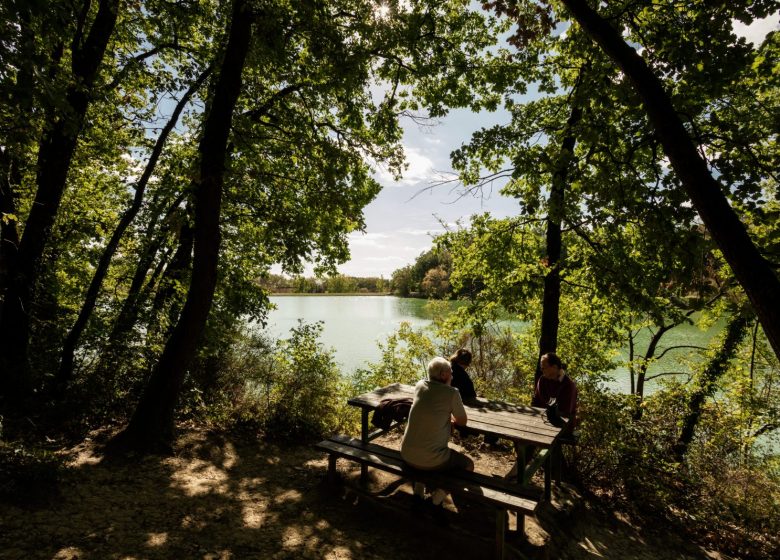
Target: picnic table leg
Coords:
[(501, 519), (364, 438), (520, 452), (557, 461), (332, 468), (548, 463)]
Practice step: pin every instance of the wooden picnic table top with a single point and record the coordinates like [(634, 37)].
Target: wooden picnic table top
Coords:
[(518, 423)]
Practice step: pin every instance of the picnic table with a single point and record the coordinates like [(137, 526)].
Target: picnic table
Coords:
[(523, 425)]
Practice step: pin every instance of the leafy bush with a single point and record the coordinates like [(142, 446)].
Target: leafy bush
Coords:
[(305, 392), (724, 491), (287, 388)]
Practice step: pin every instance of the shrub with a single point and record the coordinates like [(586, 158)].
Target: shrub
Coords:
[(725, 492), (287, 388)]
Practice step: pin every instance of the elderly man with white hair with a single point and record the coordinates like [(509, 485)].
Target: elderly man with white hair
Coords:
[(436, 407)]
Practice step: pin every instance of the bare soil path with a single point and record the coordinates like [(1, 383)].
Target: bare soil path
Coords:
[(221, 497)]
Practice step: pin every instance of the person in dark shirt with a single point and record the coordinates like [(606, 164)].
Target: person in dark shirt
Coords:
[(554, 387), (460, 360), (461, 380)]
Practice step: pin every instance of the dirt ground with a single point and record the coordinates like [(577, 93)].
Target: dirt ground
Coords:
[(220, 497)]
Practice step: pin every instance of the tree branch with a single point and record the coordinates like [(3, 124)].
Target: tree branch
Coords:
[(139, 58), (662, 354)]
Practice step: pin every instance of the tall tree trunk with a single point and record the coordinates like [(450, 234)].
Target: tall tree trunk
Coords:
[(65, 371), (55, 152), (631, 367), (137, 293), (736, 330), (751, 269), (15, 142), (9, 235), (151, 427), (652, 346), (175, 273), (551, 299)]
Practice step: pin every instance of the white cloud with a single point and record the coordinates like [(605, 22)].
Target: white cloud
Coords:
[(757, 31), (358, 239), (417, 232), (419, 169), (386, 259)]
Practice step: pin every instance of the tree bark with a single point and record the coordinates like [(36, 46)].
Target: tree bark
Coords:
[(9, 234), (736, 330), (751, 269), (65, 371), (55, 152), (151, 427), (652, 346), (11, 160), (551, 299)]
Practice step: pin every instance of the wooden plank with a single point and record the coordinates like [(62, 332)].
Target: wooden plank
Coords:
[(519, 435), (534, 465), (396, 466), (532, 419), (516, 422), (495, 482), (501, 522)]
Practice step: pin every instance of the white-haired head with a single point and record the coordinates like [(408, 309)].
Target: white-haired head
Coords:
[(439, 369)]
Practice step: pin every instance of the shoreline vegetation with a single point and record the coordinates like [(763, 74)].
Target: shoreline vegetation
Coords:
[(281, 294)]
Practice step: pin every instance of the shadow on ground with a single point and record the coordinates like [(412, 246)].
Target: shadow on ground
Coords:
[(221, 498)]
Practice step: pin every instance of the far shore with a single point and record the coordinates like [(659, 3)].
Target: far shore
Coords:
[(339, 294)]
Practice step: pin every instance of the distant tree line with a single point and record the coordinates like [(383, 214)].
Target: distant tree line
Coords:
[(335, 284)]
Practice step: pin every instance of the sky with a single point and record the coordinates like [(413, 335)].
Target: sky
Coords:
[(402, 221)]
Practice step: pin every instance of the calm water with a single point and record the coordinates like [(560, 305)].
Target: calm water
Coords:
[(352, 326)]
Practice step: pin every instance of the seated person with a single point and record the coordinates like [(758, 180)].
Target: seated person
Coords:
[(554, 387), (460, 360), (436, 408), (461, 380)]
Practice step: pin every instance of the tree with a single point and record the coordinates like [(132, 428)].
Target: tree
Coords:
[(55, 151), (754, 273), (71, 341), (436, 283), (304, 124), (151, 427), (735, 332), (401, 281), (409, 280)]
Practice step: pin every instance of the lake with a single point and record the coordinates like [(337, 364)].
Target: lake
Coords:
[(352, 326)]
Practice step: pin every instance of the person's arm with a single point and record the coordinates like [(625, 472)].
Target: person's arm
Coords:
[(538, 399), (458, 412), (460, 420)]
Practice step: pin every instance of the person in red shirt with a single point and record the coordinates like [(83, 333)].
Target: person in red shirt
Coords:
[(554, 387)]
